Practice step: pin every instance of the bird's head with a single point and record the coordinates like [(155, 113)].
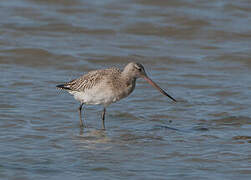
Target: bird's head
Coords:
[(136, 70)]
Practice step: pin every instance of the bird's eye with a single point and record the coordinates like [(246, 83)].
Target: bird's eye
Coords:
[(138, 68)]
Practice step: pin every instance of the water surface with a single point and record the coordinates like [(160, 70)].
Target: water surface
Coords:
[(198, 51)]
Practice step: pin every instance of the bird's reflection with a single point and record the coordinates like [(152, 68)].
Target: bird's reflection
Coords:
[(90, 138), (92, 132)]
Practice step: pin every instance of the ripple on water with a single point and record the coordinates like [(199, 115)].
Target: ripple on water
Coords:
[(242, 139), (232, 121), (34, 57)]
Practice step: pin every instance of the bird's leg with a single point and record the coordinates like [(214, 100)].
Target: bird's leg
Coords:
[(103, 119), (80, 116)]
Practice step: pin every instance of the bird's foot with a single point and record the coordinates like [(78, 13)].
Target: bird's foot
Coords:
[(82, 126)]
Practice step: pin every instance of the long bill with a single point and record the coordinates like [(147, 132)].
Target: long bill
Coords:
[(157, 87)]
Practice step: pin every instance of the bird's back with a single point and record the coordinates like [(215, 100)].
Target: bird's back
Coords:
[(91, 79)]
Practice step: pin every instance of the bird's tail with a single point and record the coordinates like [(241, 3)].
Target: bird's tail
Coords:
[(62, 86)]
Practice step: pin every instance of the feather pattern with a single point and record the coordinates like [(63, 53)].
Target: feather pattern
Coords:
[(90, 79)]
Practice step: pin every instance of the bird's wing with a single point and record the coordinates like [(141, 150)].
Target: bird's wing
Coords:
[(89, 80)]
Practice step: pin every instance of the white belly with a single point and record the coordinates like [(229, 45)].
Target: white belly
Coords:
[(94, 97), (103, 94)]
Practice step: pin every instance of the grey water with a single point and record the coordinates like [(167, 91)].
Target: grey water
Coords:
[(198, 51)]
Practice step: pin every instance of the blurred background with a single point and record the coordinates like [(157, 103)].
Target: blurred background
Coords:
[(199, 51)]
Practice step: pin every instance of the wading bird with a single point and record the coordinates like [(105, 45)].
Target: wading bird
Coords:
[(107, 86)]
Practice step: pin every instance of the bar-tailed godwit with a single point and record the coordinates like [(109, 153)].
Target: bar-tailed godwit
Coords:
[(107, 86)]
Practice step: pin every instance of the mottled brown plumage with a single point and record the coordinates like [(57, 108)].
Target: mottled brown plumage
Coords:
[(107, 86), (92, 78)]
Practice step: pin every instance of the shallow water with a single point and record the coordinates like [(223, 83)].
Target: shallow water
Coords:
[(198, 51)]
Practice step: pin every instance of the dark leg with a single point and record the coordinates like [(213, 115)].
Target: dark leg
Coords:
[(103, 119), (80, 116)]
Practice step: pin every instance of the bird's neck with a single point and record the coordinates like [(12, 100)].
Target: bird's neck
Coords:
[(129, 80)]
